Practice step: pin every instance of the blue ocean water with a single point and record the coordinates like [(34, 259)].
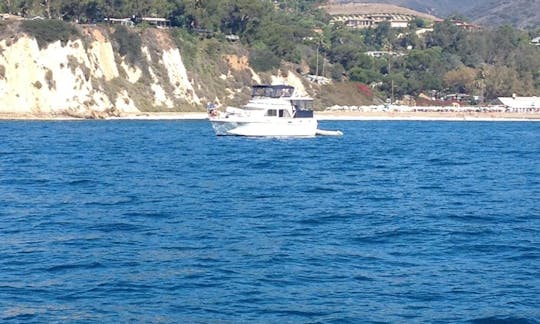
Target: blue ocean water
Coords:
[(161, 221)]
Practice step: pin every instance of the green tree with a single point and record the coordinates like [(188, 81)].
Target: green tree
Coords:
[(429, 60), (346, 46), (238, 15), (364, 75), (461, 80), (447, 36), (380, 38), (501, 81), (417, 22), (271, 32)]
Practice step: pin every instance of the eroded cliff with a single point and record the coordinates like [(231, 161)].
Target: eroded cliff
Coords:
[(98, 75)]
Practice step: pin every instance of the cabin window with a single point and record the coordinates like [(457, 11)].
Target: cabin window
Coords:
[(271, 112), (303, 104), (284, 113)]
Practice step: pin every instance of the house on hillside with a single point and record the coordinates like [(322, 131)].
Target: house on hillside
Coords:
[(157, 22), (232, 38), (423, 31), (465, 25), (120, 21), (361, 21), (536, 41), (371, 15), (135, 20), (378, 54)]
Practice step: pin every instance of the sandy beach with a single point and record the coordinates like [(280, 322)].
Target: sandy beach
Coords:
[(125, 116), (320, 115)]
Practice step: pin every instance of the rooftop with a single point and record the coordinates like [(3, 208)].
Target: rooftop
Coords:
[(521, 102), (335, 9)]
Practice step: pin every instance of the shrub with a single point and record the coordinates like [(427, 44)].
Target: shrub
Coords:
[(129, 44), (73, 63), (50, 79), (263, 60), (188, 45), (213, 49), (49, 31), (364, 89), (337, 71)]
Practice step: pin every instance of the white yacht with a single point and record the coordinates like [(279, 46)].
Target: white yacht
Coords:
[(273, 110)]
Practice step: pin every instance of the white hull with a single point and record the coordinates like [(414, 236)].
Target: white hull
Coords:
[(268, 127)]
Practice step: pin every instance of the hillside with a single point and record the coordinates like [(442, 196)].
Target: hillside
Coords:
[(51, 66), (517, 13), (94, 71)]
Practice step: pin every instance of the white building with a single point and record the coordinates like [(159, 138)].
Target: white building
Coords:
[(158, 22), (361, 21), (378, 54), (521, 104), (370, 15), (120, 21)]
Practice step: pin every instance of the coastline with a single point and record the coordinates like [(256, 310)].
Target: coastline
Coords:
[(124, 116), (427, 116), (320, 115)]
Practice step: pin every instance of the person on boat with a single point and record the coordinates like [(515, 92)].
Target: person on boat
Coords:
[(211, 108)]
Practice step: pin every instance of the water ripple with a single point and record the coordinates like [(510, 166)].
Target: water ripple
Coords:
[(164, 222)]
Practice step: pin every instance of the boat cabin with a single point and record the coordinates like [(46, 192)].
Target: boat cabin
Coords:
[(300, 107)]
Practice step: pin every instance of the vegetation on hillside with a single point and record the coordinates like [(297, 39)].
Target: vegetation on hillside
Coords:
[(517, 13), (48, 31), (485, 63)]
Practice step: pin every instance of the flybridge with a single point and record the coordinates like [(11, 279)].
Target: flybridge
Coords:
[(302, 106), (271, 91)]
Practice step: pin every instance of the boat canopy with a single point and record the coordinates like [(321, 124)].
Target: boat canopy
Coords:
[(272, 91)]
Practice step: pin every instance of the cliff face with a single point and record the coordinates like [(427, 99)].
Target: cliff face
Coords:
[(88, 77), (57, 78)]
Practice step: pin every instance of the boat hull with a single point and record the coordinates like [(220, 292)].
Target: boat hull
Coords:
[(286, 127)]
